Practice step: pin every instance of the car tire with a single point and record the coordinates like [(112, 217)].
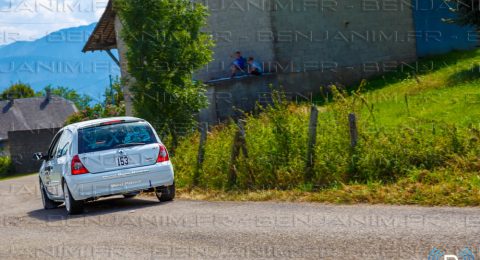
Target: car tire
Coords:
[(46, 201), (166, 193), (72, 206)]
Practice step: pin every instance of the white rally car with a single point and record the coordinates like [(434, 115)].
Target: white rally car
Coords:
[(104, 157)]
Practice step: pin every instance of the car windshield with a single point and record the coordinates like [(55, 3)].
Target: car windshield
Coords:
[(113, 136)]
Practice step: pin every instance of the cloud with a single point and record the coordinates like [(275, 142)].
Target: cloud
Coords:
[(27, 20)]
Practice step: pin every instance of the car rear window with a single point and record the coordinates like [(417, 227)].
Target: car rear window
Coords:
[(106, 137)]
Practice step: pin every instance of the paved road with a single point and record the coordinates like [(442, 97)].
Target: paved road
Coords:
[(145, 229)]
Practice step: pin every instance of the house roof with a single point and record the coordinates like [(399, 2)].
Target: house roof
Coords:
[(104, 36), (34, 113)]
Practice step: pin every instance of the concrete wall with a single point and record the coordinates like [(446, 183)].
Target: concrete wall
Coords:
[(342, 33), (23, 144), (228, 97), (235, 26), (305, 35), (305, 44)]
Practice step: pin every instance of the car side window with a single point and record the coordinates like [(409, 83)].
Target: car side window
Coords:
[(64, 144), (53, 145)]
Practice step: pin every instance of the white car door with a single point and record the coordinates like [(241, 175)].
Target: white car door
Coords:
[(47, 167), (60, 162)]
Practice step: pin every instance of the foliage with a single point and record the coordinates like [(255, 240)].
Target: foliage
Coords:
[(443, 187), (112, 106), (416, 134), (95, 112), (468, 12), (6, 166), (165, 47), (217, 153), (22, 90), (276, 136), (114, 94), (80, 101), (17, 91)]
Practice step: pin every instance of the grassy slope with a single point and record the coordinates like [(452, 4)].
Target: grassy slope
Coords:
[(444, 90)]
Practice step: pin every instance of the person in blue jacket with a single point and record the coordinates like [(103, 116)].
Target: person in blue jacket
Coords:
[(254, 68), (239, 64)]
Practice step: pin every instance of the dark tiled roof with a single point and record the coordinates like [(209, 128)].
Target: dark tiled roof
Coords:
[(34, 113), (103, 36)]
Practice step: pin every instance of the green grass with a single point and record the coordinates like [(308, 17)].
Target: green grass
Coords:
[(419, 143), (459, 105), (446, 90)]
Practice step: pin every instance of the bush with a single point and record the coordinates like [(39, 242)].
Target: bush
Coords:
[(218, 148), (276, 145), (276, 141), (6, 166)]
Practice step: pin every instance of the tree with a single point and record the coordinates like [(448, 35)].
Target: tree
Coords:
[(97, 111), (106, 109), (16, 91), (468, 12), (114, 95), (80, 101), (165, 46)]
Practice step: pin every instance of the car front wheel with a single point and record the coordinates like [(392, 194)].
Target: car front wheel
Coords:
[(166, 193), (73, 206)]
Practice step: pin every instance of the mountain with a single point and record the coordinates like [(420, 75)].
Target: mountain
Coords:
[(57, 59)]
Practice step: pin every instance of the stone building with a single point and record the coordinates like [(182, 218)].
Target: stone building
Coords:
[(28, 125), (302, 44)]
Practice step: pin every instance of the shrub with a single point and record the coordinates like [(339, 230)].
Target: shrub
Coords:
[(214, 172), (6, 166), (276, 142)]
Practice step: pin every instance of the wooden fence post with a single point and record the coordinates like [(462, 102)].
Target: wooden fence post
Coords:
[(232, 174), (352, 119), (239, 145), (312, 141), (201, 153), (406, 103)]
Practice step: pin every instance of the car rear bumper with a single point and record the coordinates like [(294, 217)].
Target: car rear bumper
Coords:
[(89, 186)]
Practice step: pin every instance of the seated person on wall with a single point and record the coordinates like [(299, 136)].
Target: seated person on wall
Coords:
[(239, 64), (254, 68)]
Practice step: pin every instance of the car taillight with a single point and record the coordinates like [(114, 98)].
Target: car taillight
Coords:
[(78, 167), (162, 154)]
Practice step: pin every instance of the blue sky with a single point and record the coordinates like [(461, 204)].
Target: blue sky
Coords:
[(27, 20)]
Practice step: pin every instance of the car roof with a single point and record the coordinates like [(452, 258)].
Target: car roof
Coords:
[(100, 121)]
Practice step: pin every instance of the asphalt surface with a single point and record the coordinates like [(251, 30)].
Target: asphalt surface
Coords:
[(143, 228)]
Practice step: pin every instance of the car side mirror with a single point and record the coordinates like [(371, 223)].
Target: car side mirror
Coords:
[(39, 156)]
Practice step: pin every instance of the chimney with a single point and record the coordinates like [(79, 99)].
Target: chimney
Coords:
[(11, 99), (48, 96)]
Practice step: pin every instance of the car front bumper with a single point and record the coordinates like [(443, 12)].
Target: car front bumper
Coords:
[(124, 181)]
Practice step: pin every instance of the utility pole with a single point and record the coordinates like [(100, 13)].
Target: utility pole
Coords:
[(111, 90)]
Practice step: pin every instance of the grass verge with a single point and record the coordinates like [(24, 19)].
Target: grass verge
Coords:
[(462, 189)]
